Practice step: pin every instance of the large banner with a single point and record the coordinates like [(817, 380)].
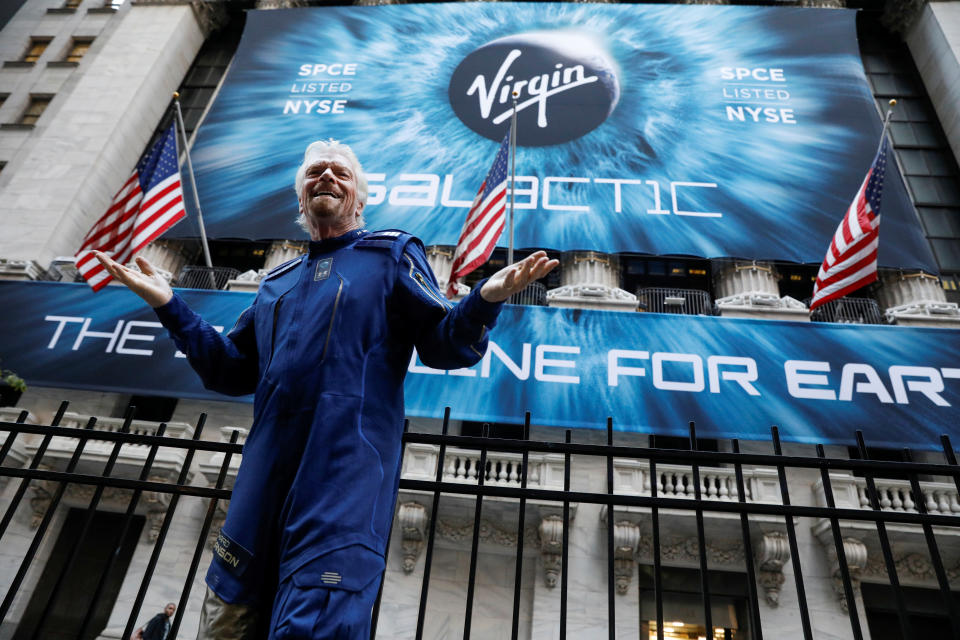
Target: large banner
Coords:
[(569, 368), (713, 131)]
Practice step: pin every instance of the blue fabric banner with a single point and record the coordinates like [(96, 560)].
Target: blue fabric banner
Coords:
[(713, 131), (569, 368)]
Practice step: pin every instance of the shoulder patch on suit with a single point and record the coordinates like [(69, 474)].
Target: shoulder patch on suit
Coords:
[(393, 240), (283, 268)]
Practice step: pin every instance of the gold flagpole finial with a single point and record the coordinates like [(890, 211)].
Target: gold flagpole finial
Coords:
[(176, 95), (893, 102)]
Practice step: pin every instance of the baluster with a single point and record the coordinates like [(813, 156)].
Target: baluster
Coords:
[(514, 477), (930, 502), (668, 487), (534, 477), (725, 488), (908, 503), (896, 502), (450, 470), (954, 505), (709, 490), (862, 495), (686, 484), (502, 475), (942, 502), (884, 498)]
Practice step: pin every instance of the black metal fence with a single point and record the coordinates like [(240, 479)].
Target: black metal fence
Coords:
[(695, 500)]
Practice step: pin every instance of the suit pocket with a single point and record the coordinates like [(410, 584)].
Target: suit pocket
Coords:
[(349, 568)]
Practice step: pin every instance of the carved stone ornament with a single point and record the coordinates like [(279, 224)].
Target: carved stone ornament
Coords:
[(40, 500), (551, 549), (157, 503), (413, 519), (911, 566), (626, 537), (685, 550), (856, 554), (489, 532), (772, 553)]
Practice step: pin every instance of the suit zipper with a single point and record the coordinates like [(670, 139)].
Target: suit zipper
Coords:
[(273, 334), (419, 279), (333, 316)]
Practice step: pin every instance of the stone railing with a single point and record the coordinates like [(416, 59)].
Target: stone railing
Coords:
[(132, 456), (632, 477), (894, 495), (545, 471)]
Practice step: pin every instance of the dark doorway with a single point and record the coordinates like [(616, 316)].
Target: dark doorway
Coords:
[(61, 620)]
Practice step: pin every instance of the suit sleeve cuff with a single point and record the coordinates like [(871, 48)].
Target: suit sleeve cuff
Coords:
[(478, 309)]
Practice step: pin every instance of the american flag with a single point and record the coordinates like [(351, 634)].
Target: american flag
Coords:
[(484, 222), (851, 260), (149, 203)]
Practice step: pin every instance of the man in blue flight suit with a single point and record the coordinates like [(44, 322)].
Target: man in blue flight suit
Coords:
[(325, 347)]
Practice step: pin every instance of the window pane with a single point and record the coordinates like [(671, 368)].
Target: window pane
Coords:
[(874, 62), (77, 51), (35, 50), (948, 253), (913, 161), (940, 222), (34, 110), (883, 84), (902, 134), (940, 163), (924, 190)]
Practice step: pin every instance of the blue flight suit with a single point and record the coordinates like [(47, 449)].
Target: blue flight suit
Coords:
[(325, 347)]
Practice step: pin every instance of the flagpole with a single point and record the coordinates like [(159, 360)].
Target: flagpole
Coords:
[(513, 171), (193, 182), (886, 121)]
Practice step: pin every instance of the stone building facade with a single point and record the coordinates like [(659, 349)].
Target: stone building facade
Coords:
[(83, 86)]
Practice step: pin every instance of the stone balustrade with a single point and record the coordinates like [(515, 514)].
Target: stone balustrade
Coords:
[(894, 495), (545, 471), (632, 477), (132, 456)]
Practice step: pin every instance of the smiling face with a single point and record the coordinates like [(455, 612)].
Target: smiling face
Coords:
[(328, 196)]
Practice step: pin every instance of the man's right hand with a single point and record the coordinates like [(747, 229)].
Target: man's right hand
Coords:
[(146, 283)]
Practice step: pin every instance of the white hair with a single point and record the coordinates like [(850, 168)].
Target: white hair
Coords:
[(324, 149)]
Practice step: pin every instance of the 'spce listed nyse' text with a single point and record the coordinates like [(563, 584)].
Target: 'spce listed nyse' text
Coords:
[(756, 94), (320, 80)]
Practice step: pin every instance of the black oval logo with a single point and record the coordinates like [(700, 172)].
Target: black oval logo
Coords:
[(566, 84)]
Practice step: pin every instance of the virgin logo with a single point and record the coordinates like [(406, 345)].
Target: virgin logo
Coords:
[(565, 86), (538, 88)]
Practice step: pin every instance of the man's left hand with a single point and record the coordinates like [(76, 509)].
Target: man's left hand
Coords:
[(517, 276)]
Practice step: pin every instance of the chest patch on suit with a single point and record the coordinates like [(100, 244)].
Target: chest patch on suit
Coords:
[(230, 555), (323, 269)]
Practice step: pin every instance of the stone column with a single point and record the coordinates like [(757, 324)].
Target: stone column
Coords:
[(589, 280), (281, 251), (168, 257), (750, 290), (916, 299), (13, 269), (440, 258)]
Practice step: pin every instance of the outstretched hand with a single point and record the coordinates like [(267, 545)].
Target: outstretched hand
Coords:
[(146, 283), (514, 278)]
